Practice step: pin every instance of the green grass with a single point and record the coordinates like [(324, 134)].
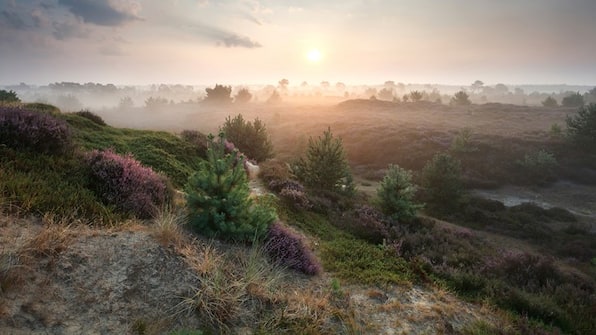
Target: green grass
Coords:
[(349, 258), (162, 151), (58, 184), (39, 184)]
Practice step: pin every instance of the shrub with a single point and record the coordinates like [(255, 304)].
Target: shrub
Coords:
[(524, 270), (550, 102), (9, 96), (416, 96), (251, 138), (123, 182), (460, 98), (396, 194), (367, 223), (325, 165), (243, 96), (24, 129), (573, 100), (91, 116), (220, 94), (274, 170), (441, 179), (218, 197), (463, 141), (197, 139), (287, 248), (581, 128), (291, 192), (538, 166)]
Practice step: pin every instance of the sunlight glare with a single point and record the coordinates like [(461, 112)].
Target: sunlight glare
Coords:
[(314, 55)]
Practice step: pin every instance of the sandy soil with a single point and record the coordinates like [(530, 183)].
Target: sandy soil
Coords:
[(78, 280)]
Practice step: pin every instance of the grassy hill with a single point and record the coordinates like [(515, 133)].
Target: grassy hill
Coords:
[(480, 255)]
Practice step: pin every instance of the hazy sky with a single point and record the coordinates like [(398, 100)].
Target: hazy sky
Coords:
[(263, 41)]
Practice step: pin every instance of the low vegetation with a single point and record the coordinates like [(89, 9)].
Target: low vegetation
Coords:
[(316, 223)]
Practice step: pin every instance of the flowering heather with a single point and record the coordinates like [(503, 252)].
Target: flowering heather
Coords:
[(288, 249), (24, 129), (291, 191), (370, 224), (122, 181)]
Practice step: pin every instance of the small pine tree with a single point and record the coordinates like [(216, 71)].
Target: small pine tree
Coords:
[(573, 100), (441, 180), (9, 96), (581, 127), (218, 198), (550, 102), (251, 138), (325, 165), (461, 98), (396, 194)]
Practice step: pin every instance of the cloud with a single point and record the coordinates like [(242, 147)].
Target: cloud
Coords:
[(226, 38), (101, 12)]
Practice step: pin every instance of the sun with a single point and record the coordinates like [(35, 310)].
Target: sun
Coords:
[(314, 56)]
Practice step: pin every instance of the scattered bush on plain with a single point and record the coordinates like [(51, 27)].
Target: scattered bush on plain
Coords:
[(442, 183), (581, 127), (325, 166), (395, 194)]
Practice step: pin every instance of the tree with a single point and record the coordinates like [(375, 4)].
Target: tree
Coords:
[(126, 103), (218, 198), (581, 128), (325, 165), (441, 180), (573, 100), (250, 138), (416, 96), (243, 96), (220, 94), (386, 94), (501, 89), (477, 86), (283, 84), (275, 98), (9, 96), (395, 194), (550, 102), (460, 98)]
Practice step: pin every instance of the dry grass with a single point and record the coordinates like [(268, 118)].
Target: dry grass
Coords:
[(51, 240), (167, 229)]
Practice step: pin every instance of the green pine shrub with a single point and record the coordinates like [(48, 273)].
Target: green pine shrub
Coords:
[(581, 127), (325, 166), (218, 197), (251, 138), (442, 183), (538, 167), (9, 96), (395, 195)]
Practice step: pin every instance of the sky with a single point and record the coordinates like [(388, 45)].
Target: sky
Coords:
[(202, 42)]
